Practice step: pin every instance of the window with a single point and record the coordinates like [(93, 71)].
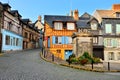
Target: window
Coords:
[(61, 40), (109, 42), (93, 26), (13, 41), (118, 15), (9, 26), (108, 28), (58, 40), (7, 40), (18, 30), (118, 56), (118, 42), (20, 42), (17, 41), (95, 40), (58, 51), (117, 28), (110, 56), (69, 40), (26, 35), (71, 26), (58, 25)]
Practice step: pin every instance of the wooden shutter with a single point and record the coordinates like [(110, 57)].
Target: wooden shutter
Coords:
[(63, 39), (53, 39), (66, 40)]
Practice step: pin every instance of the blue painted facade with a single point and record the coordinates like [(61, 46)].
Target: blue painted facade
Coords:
[(15, 42)]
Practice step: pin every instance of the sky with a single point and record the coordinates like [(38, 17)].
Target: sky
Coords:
[(33, 8)]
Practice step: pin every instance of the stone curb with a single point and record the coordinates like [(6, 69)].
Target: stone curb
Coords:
[(46, 59), (76, 67)]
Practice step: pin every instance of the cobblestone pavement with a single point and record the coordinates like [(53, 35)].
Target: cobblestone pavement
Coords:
[(27, 65)]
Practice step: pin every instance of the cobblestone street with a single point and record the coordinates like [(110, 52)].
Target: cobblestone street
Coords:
[(27, 65)]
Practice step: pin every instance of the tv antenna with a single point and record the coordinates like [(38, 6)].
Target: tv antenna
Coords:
[(70, 4)]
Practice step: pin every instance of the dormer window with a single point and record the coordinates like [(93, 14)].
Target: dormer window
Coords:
[(117, 14), (94, 26), (58, 25), (70, 26)]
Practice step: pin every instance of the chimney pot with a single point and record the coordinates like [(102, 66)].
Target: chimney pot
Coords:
[(39, 18), (116, 7), (76, 15)]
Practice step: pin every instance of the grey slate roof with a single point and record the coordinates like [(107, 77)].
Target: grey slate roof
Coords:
[(15, 11), (83, 21), (50, 19), (25, 20), (6, 5)]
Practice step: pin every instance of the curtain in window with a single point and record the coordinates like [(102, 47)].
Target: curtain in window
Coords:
[(58, 25), (59, 40), (70, 26), (118, 28), (69, 40), (114, 42), (108, 28)]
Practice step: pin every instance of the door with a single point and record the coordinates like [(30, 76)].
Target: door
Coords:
[(48, 42), (67, 53)]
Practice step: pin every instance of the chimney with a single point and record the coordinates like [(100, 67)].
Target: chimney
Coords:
[(116, 7), (39, 18), (76, 15)]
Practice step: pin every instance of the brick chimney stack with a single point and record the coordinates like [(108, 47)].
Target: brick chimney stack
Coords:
[(39, 18), (116, 7), (76, 15)]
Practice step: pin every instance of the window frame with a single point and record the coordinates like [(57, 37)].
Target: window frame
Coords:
[(106, 29), (58, 25), (69, 27), (94, 26), (118, 41), (95, 40), (117, 14), (69, 41), (117, 32), (109, 42), (58, 40), (7, 38), (118, 56), (111, 56)]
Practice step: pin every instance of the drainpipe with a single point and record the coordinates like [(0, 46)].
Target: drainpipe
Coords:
[(77, 46)]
